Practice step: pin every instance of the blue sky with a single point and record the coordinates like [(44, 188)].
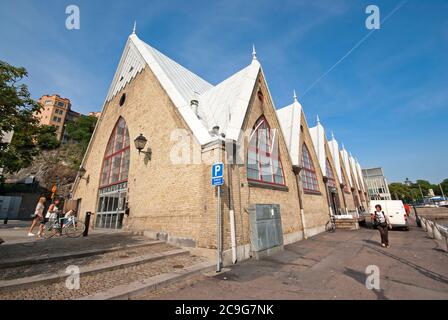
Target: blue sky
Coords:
[(387, 101)]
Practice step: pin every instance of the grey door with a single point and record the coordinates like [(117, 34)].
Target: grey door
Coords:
[(266, 227)]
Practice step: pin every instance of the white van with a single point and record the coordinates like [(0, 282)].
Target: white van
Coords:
[(394, 209)]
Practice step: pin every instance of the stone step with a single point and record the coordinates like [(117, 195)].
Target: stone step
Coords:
[(26, 282), (120, 281), (138, 288), (47, 258)]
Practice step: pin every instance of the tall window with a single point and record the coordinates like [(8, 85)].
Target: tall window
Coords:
[(263, 160), (309, 176), (116, 159), (344, 181), (330, 175)]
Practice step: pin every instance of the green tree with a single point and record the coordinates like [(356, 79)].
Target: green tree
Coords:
[(444, 185), (17, 110), (47, 138), (81, 130)]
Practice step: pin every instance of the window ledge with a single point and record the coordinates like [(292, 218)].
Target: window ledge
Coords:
[(259, 184), (313, 193)]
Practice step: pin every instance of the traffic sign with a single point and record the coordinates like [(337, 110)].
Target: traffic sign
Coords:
[(217, 182), (217, 174), (218, 170)]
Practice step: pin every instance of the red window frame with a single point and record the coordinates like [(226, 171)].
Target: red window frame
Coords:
[(112, 153), (330, 175), (344, 181), (264, 149), (309, 174)]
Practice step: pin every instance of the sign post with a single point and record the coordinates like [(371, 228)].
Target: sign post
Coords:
[(218, 181)]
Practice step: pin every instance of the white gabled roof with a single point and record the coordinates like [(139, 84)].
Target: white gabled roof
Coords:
[(355, 171), (334, 150), (289, 118), (360, 177), (346, 162), (225, 105), (318, 137)]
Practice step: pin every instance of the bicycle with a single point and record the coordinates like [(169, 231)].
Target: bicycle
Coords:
[(331, 225), (70, 227)]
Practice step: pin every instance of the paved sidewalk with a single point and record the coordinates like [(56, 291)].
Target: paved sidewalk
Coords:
[(18, 246), (330, 266)]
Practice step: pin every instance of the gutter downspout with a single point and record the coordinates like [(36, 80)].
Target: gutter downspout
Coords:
[(297, 170), (231, 202)]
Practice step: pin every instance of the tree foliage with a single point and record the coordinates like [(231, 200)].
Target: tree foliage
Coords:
[(47, 138), (17, 110), (400, 191), (81, 130)]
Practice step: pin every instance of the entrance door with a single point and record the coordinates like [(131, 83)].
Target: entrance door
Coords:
[(111, 208)]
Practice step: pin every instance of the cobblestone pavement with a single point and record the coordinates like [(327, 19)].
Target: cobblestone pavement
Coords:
[(29, 248), (98, 282), (57, 266), (329, 266)]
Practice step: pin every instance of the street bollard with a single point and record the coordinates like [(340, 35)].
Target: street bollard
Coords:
[(87, 223)]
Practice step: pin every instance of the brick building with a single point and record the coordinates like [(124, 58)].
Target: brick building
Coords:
[(274, 191), (56, 112)]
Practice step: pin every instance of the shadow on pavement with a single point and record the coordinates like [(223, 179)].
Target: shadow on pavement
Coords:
[(426, 272), (361, 278)]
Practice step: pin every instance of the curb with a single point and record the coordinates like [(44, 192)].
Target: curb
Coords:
[(39, 279), (80, 254), (137, 288)]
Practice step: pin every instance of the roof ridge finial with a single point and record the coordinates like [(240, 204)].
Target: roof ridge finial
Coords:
[(135, 27), (318, 120), (295, 96), (332, 135), (254, 53)]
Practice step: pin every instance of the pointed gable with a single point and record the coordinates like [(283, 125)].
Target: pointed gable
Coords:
[(225, 105), (346, 162), (289, 118), (318, 136), (334, 150), (354, 172)]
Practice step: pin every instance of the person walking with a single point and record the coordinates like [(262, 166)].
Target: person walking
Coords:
[(383, 224), (52, 214), (38, 215)]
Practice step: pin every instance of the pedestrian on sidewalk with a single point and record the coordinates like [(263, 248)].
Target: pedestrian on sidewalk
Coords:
[(52, 214), (383, 224), (38, 215)]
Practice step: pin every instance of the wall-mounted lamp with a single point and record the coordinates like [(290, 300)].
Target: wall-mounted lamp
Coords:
[(140, 144), (82, 173)]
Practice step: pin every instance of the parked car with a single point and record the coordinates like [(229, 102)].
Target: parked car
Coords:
[(395, 211)]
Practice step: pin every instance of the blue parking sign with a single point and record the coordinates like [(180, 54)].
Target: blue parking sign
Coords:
[(218, 174)]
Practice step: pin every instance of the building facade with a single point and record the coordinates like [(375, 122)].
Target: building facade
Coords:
[(148, 164), (376, 184), (56, 111)]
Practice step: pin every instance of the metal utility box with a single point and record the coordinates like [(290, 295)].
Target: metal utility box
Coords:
[(265, 227)]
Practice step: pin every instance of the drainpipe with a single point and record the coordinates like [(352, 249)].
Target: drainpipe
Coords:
[(231, 160), (343, 197), (330, 209), (296, 170)]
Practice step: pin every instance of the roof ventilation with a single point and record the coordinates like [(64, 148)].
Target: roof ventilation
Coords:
[(215, 130), (195, 106)]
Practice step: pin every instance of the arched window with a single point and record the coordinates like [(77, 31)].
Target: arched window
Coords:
[(344, 182), (117, 157), (309, 177), (330, 175), (263, 159)]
